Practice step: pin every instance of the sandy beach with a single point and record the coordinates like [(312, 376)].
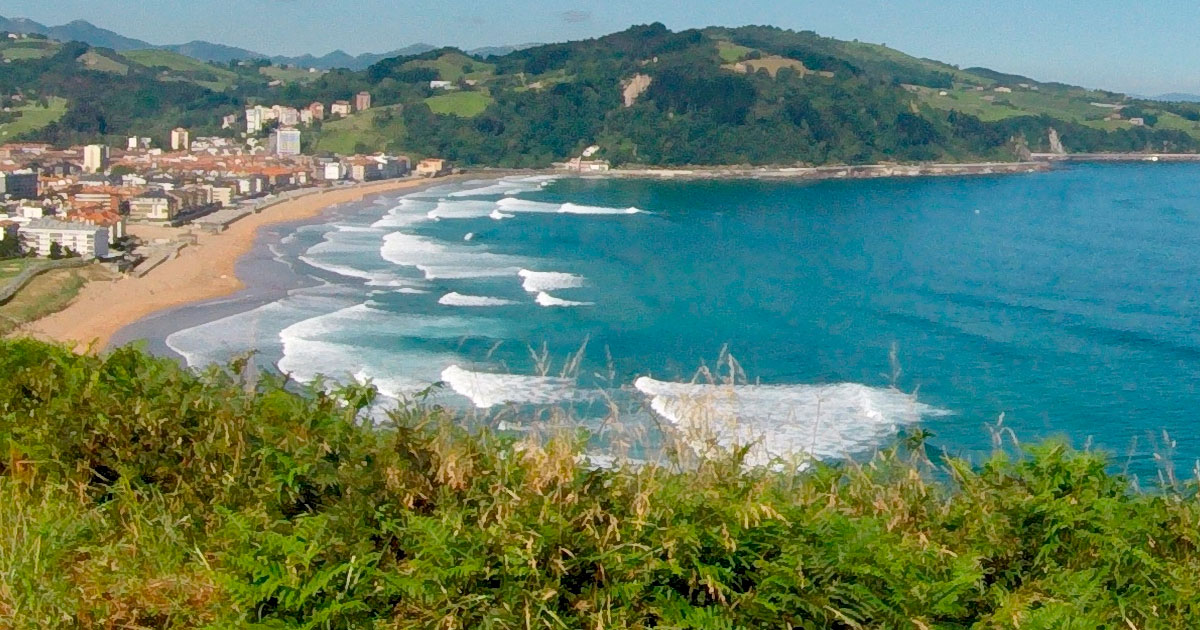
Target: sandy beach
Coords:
[(203, 271)]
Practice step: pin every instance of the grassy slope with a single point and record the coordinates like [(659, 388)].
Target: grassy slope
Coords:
[(290, 75), (184, 68), (137, 495), (48, 293), (27, 49), (450, 67), (1074, 105), (96, 60), (877, 52), (731, 52), (465, 104), (10, 268), (33, 117), (342, 136)]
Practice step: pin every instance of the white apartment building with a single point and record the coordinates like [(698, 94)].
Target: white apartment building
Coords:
[(335, 171), (95, 158), (286, 141), (89, 241), (180, 139)]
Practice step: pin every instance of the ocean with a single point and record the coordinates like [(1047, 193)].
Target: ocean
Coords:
[(816, 318)]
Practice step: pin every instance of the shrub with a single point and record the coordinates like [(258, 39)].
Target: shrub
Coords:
[(139, 494)]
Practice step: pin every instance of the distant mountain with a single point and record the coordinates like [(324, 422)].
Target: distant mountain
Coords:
[(22, 25), (207, 51), (81, 31), (92, 35), (500, 51), (343, 59)]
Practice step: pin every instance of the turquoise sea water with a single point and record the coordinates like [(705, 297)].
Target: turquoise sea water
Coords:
[(1067, 301)]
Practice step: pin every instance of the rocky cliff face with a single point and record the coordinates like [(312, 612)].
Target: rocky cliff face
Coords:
[(635, 87), (1056, 145)]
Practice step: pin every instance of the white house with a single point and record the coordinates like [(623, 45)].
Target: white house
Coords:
[(334, 171), (89, 241)]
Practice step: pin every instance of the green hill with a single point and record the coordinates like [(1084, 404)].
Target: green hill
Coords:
[(647, 95)]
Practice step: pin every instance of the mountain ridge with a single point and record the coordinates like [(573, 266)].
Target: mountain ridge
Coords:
[(92, 35)]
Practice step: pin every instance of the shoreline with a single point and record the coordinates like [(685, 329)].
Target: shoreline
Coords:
[(204, 271), (210, 270), (817, 173)]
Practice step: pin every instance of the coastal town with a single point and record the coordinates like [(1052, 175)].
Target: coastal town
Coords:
[(111, 203)]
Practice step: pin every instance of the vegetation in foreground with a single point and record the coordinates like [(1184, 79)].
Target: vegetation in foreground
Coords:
[(139, 495)]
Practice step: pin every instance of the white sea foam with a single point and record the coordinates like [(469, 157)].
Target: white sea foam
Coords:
[(458, 299), (407, 212), (539, 281), (363, 342), (570, 208), (461, 210), (547, 300), (511, 205), (444, 261), (784, 421), (469, 236), (500, 216), (507, 186), (487, 390), (218, 340)]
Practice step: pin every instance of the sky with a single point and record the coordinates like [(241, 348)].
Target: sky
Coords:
[(1146, 47)]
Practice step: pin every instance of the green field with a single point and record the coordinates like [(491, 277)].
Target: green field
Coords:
[(33, 117), (48, 293), (10, 268), (290, 75), (27, 49), (184, 68), (880, 53), (731, 52), (1076, 107), (102, 63), (464, 104), (366, 128), (453, 66)]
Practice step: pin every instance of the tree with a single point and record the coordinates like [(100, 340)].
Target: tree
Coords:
[(9, 246), (56, 250)]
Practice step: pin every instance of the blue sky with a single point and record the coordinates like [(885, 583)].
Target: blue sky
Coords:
[(1145, 47)]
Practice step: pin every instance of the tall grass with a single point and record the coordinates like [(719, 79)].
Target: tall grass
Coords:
[(134, 494)]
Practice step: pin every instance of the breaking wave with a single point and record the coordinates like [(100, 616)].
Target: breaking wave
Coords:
[(522, 205), (486, 390), (784, 421), (545, 299), (539, 281), (458, 299)]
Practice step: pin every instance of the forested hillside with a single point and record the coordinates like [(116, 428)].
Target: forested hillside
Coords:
[(752, 95)]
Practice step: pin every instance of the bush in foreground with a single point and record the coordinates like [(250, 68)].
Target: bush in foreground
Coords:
[(134, 494)]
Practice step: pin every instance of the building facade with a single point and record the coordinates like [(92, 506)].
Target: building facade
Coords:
[(19, 185), (95, 158), (89, 241), (155, 207), (286, 142), (362, 101), (180, 139)]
